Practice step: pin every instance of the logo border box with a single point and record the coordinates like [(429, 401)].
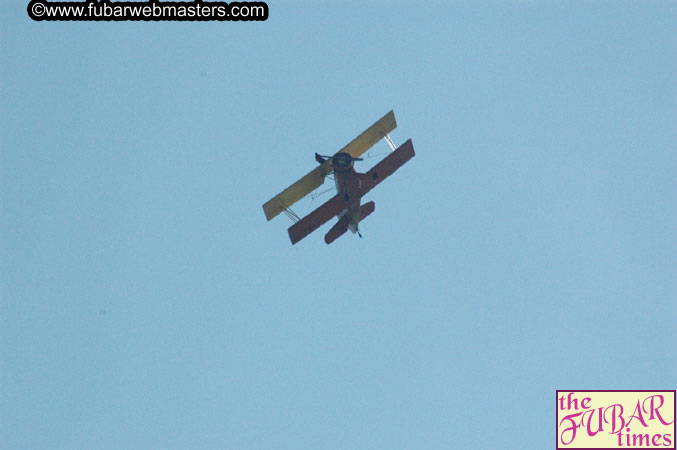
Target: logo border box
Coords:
[(674, 417)]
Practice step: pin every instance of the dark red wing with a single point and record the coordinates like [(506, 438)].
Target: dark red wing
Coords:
[(387, 167), (317, 218)]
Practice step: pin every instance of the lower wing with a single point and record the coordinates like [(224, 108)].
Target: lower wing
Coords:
[(386, 167), (317, 218)]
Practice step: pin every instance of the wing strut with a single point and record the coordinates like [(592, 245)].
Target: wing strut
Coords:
[(390, 142)]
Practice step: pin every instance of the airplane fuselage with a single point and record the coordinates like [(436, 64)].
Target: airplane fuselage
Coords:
[(348, 186)]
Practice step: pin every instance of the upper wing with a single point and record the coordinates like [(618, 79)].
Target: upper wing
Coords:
[(386, 167), (315, 177), (297, 191), (317, 218), (371, 135)]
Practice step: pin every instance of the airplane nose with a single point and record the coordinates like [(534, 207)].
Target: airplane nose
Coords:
[(342, 160)]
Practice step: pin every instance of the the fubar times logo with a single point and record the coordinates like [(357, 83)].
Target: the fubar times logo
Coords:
[(606, 420)]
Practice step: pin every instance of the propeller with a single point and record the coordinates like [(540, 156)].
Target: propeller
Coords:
[(330, 157)]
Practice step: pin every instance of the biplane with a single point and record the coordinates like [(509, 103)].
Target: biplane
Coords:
[(351, 186)]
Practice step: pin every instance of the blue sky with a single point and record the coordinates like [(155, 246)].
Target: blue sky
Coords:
[(529, 246)]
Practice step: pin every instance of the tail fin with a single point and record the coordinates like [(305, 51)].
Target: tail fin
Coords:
[(342, 225)]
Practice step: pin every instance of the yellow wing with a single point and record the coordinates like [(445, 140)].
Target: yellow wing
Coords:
[(314, 179), (297, 191), (371, 136)]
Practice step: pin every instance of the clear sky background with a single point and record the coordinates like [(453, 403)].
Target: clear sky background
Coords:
[(530, 245)]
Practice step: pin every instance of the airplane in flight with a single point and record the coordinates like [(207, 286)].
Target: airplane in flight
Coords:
[(351, 185)]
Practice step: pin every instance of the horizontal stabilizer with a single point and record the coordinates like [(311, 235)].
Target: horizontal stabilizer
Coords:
[(342, 225)]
